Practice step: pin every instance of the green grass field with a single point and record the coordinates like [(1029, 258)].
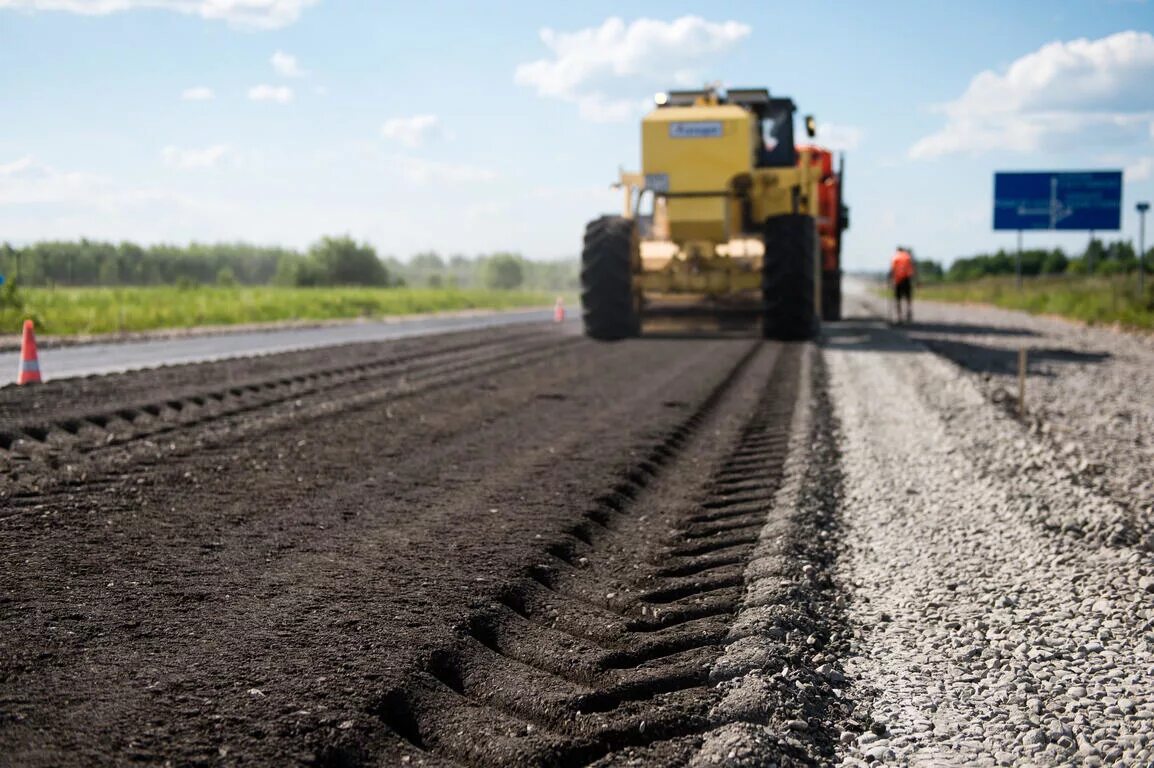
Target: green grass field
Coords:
[(110, 310), (1098, 300)]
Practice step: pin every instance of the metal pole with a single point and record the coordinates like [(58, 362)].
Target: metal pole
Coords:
[(1142, 208), (1018, 263), (1142, 254), (1090, 255)]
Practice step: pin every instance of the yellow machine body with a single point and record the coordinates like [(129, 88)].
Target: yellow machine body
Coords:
[(707, 195), (699, 150)]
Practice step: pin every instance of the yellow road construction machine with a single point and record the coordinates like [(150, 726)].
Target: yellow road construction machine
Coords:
[(727, 216)]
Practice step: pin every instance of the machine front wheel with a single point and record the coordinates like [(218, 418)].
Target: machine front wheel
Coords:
[(788, 285), (607, 279)]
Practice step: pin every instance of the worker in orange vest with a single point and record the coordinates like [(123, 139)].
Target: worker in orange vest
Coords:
[(902, 273)]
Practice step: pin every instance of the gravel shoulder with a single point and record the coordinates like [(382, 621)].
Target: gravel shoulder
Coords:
[(1089, 393), (1000, 604)]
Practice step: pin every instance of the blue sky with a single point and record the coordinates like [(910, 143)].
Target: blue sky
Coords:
[(470, 127)]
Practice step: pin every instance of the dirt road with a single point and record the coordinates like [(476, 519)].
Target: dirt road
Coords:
[(495, 547), (519, 547)]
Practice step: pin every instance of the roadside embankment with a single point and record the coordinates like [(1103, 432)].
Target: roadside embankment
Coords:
[(1113, 300), (1000, 604), (1089, 391)]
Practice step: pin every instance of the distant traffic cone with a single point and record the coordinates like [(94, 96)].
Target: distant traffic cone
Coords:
[(559, 310), (29, 371)]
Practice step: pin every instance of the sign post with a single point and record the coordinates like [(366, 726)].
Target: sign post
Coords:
[(1055, 200), (1142, 208), (1018, 263)]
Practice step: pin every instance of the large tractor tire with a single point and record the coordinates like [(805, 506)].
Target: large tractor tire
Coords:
[(831, 296), (607, 279), (788, 278)]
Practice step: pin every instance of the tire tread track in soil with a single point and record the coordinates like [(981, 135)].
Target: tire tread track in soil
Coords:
[(558, 671), (84, 443), (318, 563), (543, 563), (785, 697)]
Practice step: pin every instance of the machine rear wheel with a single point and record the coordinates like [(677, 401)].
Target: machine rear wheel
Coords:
[(831, 296), (787, 280), (607, 279)]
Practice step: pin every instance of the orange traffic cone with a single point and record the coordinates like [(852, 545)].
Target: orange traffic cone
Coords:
[(559, 310), (29, 371)]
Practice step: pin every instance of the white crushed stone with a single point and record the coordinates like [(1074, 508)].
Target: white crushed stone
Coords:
[(993, 626), (1089, 393)]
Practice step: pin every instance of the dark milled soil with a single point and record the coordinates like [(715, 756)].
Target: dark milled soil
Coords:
[(504, 547)]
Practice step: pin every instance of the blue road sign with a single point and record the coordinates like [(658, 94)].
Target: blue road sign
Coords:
[(1058, 200)]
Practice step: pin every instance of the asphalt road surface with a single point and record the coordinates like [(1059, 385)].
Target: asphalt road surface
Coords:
[(89, 359), (518, 547)]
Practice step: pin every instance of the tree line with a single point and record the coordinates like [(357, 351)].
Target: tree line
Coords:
[(330, 261), (1099, 258)]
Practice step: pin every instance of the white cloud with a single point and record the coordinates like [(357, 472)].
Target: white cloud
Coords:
[(422, 171), (1141, 169), (838, 137), (259, 14), (1061, 95), (281, 94), (412, 131), (38, 201), (286, 65), (601, 68), (16, 167), (198, 93), (192, 159), (484, 211), (26, 181), (597, 108)]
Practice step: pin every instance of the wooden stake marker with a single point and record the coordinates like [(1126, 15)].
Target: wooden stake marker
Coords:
[(1022, 383)]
